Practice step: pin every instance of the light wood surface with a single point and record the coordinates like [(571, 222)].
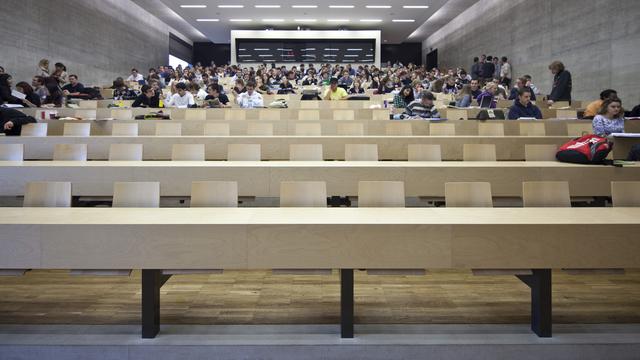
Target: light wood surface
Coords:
[(303, 194), (214, 194), (140, 194), (361, 152), (546, 194), (468, 194), (47, 194), (305, 152), (540, 152), (70, 152), (187, 152), (625, 193), (125, 152), (262, 179), (479, 152), (243, 152), (297, 238), (72, 129), (11, 152), (381, 194)]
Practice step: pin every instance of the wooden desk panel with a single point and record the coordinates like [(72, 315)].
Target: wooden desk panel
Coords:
[(262, 179), (373, 238)]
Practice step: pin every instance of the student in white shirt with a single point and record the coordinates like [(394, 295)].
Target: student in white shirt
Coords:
[(250, 99), (135, 76), (181, 99)]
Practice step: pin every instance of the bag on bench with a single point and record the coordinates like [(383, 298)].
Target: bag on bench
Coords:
[(587, 149)]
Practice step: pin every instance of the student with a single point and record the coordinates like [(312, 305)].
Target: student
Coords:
[(594, 107), (43, 68), (476, 69), (6, 81), (635, 112), (562, 84), (345, 81), (182, 98), (423, 108), (530, 85), (403, 98), (121, 91), (239, 88), (610, 118), (214, 94), (55, 97), (335, 92), (356, 89), (450, 86), (31, 98), (144, 99), (11, 121), (38, 87), (60, 73), (73, 88), (489, 92), (464, 97), (135, 76), (520, 84), (286, 87), (505, 72), (261, 87), (475, 88), (488, 69), (250, 98), (522, 106)]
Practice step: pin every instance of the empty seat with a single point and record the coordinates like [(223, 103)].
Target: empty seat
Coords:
[(125, 152), (308, 115), (535, 152), (310, 104), (361, 152), (381, 194), (73, 129), (303, 194), (11, 152), (566, 114), (398, 129), (70, 152), (196, 114), (578, 129), (243, 152), (136, 194), (122, 114), (625, 193), (124, 129), (546, 194), (344, 115), (489, 129), (47, 194), (260, 129), (350, 129), (168, 129), (37, 129), (456, 114), (308, 129), (187, 152), (214, 194), (217, 129), (424, 152), (442, 129), (269, 114), (305, 152), (532, 129), (479, 152), (468, 194), (239, 114), (85, 114)]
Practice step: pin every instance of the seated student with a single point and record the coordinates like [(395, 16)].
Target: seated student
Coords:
[(529, 83), (214, 96), (386, 86), (334, 92), (521, 83), (239, 88), (594, 107), (135, 76), (38, 87), (487, 97), (464, 97), (523, 107), (403, 98), (182, 98), (450, 86), (55, 97), (610, 118), (73, 88), (286, 87), (261, 87), (475, 89), (11, 121), (250, 98), (6, 81), (121, 91), (345, 81), (31, 98), (423, 108), (635, 112), (154, 101), (310, 80), (356, 88), (144, 99), (214, 82)]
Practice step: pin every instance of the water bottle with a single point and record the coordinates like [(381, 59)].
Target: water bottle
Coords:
[(385, 104)]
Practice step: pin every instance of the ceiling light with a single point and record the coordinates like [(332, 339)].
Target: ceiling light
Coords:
[(267, 6), (305, 20), (370, 20), (272, 20), (330, 49), (378, 6), (207, 20), (354, 49), (240, 20), (193, 6), (341, 6), (403, 20), (338, 20), (304, 6), (416, 6), (230, 6), (261, 49)]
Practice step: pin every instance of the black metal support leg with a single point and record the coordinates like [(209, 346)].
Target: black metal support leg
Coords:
[(540, 284), (152, 281), (346, 303)]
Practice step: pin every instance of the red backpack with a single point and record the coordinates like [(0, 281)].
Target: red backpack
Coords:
[(587, 149)]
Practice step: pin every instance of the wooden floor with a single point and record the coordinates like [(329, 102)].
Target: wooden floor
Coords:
[(258, 297)]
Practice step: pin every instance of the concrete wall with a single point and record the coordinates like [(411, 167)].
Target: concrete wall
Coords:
[(96, 39), (598, 41)]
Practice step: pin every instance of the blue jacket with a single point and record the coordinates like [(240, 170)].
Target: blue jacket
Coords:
[(520, 111)]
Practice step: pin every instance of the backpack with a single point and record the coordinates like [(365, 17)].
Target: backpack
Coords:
[(279, 104), (587, 149)]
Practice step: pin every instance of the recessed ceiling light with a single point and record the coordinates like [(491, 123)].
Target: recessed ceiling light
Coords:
[(378, 6), (230, 6), (207, 20), (338, 20), (193, 6), (403, 20), (272, 20), (371, 20), (341, 6), (240, 20), (305, 20), (416, 6), (304, 6), (267, 6)]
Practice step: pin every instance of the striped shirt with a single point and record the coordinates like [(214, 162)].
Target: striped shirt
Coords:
[(416, 108)]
